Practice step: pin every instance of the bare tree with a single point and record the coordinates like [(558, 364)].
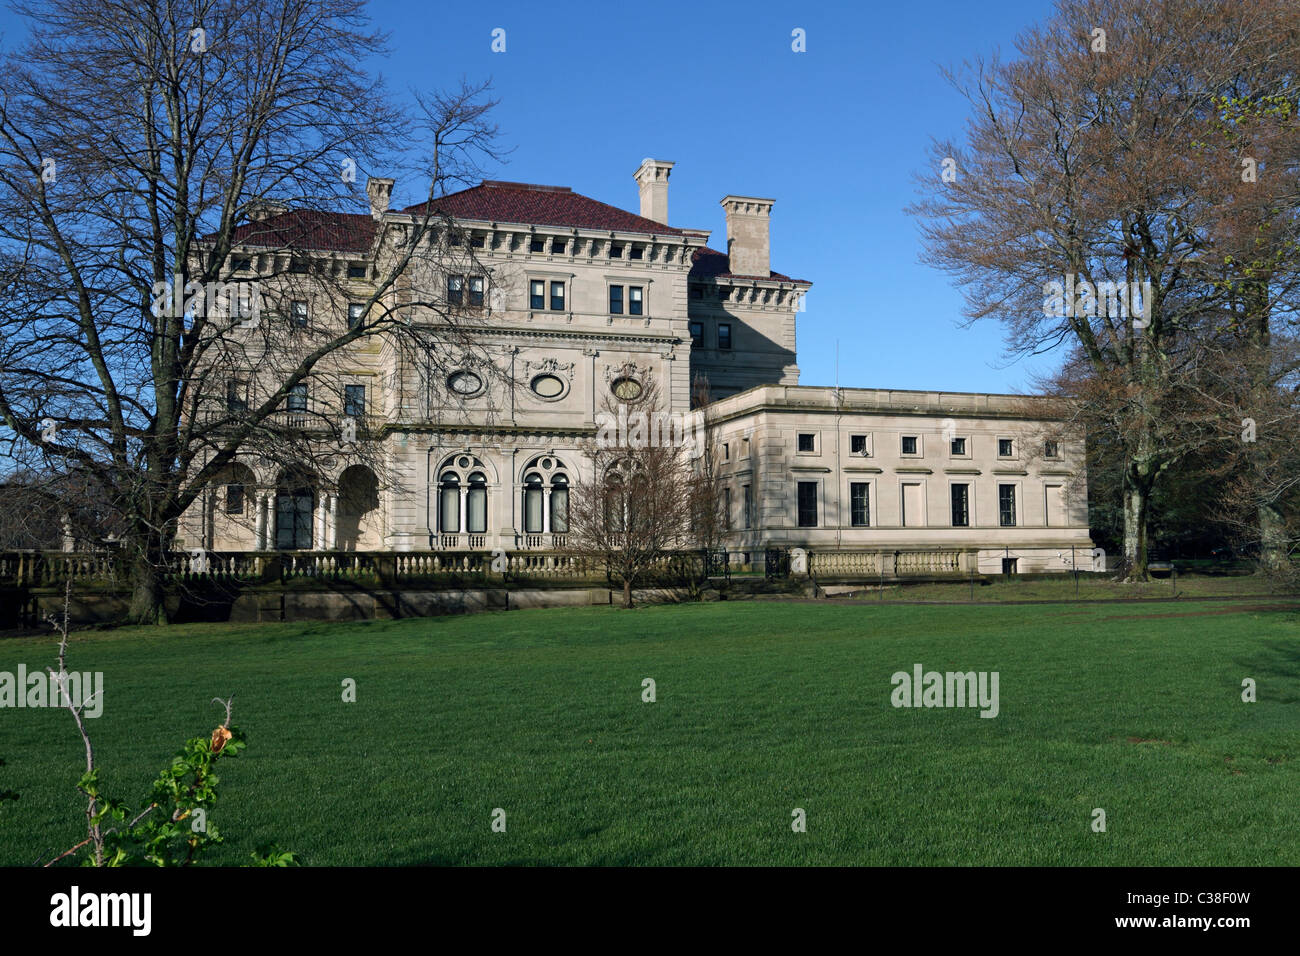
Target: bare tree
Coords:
[(1089, 206), (166, 169), (709, 518), (635, 507)]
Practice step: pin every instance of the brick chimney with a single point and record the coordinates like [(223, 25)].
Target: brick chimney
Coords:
[(749, 235), (379, 191), (652, 176)]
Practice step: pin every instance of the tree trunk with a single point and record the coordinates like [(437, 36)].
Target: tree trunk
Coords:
[(1272, 538), (627, 592), (147, 593), (1136, 503)]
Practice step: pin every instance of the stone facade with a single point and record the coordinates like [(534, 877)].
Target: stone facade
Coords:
[(481, 448)]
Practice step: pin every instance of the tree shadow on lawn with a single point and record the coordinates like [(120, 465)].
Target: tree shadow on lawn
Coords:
[(1279, 660)]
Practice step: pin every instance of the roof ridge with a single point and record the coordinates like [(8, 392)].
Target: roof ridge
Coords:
[(508, 184)]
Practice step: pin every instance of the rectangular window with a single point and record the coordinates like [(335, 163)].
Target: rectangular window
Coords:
[(636, 252), (476, 291), (726, 451), (1007, 506), (860, 504), (724, 335), (477, 242), (355, 311), (455, 285), (697, 334), (537, 294), (909, 444), (1051, 449), (807, 441), (538, 244), (744, 448), (557, 296), (299, 267), (1005, 448), (242, 264), (961, 506), (298, 398), (235, 397), (616, 300), (354, 400), (356, 270), (807, 504), (634, 300), (558, 245), (234, 499), (298, 315), (616, 251), (858, 445), (959, 447), (747, 495), (726, 509)]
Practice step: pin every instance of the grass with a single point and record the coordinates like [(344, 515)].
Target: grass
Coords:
[(762, 707), (997, 589)]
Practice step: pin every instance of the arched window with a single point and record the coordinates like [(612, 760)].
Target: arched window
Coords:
[(449, 503), (533, 499), (462, 496), (476, 504), (560, 504), (615, 517)]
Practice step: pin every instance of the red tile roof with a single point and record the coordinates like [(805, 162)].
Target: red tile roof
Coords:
[(309, 229), (709, 263), (526, 203), (490, 201)]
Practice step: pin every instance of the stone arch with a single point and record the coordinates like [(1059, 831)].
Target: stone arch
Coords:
[(230, 509), (358, 517)]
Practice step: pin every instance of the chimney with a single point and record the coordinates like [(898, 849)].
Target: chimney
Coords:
[(260, 209), (379, 191), (652, 176), (749, 233)]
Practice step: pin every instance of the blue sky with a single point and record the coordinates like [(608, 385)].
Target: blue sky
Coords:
[(834, 134)]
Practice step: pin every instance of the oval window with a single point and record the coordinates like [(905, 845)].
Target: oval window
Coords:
[(627, 389), (465, 383), (548, 386)]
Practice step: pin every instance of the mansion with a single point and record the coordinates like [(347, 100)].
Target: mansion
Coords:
[(569, 303)]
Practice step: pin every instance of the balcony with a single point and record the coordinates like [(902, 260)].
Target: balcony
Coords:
[(323, 423)]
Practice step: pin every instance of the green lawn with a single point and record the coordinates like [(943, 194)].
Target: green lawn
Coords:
[(996, 589), (762, 707)]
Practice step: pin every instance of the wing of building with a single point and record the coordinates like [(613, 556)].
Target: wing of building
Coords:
[(569, 299)]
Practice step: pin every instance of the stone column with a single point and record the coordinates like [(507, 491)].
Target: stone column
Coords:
[(333, 519), (270, 521), (259, 521)]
